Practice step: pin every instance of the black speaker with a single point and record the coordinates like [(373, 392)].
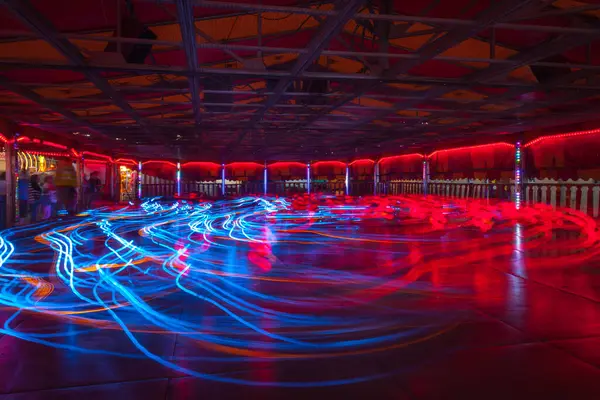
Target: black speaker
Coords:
[(133, 53), (545, 74), (223, 83), (316, 88)]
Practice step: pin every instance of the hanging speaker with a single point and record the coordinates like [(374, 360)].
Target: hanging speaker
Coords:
[(134, 53)]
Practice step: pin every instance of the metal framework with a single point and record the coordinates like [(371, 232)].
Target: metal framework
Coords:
[(396, 76)]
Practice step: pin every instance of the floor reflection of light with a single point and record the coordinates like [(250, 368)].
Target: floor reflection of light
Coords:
[(516, 292)]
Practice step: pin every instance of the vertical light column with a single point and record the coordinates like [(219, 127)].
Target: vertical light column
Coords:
[(139, 181), (375, 178), (308, 177), (265, 181), (12, 168), (347, 179), (518, 175), (178, 179), (223, 180), (425, 176)]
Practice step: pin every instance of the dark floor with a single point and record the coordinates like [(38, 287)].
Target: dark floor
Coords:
[(497, 327)]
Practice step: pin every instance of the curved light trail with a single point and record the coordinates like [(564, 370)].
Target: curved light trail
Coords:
[(258, 279)]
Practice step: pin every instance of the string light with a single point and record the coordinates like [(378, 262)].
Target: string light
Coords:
[(103, 156), (412, 155), (562, 136), (363, 160), (498, 144), (160, 162)]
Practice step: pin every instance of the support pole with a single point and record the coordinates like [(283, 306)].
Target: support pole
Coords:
[(139, 181), (376, 178), (518, 175), (81, 200), (223, 180), (308, 177), (347, 180), (265, 181), (10, 152), (425, 176), (178, 179)]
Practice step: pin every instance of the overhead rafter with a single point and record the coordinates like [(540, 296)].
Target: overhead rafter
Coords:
[(185, 16), (496, 11), (27, 14), (329, 29)]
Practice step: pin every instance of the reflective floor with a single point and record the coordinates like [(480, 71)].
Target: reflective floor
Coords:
[(382, 298)]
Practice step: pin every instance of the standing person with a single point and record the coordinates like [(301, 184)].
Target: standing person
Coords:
[(95, 187), (34, 196), (49, 198), (23, 195), (66, 184)]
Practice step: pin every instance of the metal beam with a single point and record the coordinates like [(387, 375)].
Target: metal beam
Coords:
[(185, 16), (27, 14), (330, 28), (447, 22), (495, 12)]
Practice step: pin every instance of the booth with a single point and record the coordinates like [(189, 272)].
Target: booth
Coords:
[(244, 178), (158, 179), (361, 177), (201, 180), (328, 177), (287, 178)]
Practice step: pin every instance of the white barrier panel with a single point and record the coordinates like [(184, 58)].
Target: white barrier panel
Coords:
[(575, 194)]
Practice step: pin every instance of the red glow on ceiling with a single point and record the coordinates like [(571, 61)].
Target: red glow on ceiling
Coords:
[(412, 155), (205, 164), (23, 139), (48, 153), (3, 138), (244, 165), (52, 144), (331, 163), (499, 144), (98, 155), (363, 161), (286, 164), (126, 161), (562, 136), (159, 162)]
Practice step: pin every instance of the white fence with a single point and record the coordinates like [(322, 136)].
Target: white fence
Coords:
[(459, 188), (578, 195)]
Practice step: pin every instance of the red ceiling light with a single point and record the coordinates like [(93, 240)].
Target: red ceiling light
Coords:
[(126, 161), (160, 162), (206, 164), (48, 153), (102, 156), (286, 164), (363, 161), (244, 165), (3, 139), (338, 163), (499, 144), (412, 155), (562, 136), (52, 144)]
